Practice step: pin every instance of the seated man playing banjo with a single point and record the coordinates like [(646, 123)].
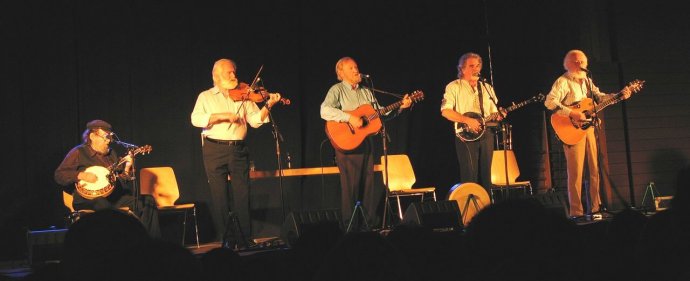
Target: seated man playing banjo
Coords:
[(98, 179)]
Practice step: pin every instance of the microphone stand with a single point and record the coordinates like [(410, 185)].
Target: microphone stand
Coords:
[(278, 138), (504, 133), (596, 123), (384, 140), (133, 175)]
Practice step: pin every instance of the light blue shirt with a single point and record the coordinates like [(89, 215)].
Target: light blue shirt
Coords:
[(343, 97)]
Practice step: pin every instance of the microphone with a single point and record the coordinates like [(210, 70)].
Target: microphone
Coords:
[(124, 144), (584, 69), (364, 75)]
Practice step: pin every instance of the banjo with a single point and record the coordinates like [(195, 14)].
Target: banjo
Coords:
[(105, 182), (465, 134)]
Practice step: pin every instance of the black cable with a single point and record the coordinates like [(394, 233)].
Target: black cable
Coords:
[(323, 177)]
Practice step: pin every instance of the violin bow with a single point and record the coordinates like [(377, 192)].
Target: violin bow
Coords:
[(256, 77)]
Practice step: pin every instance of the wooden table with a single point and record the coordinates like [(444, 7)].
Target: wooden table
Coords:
[(314, 171)]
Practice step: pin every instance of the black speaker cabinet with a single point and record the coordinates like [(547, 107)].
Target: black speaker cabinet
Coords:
[(45, 245), (438, 215), (555, 202), (298, 223)]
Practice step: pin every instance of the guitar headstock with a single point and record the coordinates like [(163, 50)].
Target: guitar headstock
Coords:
[(416, 96), (635, 86), (143, 150), (538, 98)]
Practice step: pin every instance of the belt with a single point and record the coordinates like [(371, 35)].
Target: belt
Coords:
[(226, 142)]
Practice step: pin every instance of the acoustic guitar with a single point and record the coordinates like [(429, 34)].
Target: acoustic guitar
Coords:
[(571, 131), (105, 177), (344, 137)]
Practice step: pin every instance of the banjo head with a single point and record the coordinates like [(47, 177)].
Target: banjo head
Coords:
[(101, 188)]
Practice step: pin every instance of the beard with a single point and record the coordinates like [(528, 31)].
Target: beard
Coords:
[(228, 84), (101, 148)]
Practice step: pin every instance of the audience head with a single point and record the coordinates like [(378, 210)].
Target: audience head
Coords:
[(96, 244)]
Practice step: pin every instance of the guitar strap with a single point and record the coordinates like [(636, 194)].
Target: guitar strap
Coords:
[(481, 98), (572, 92), (588, 82)]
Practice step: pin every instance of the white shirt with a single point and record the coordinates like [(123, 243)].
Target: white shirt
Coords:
[(568, 91), (213, 101), (460, 97)]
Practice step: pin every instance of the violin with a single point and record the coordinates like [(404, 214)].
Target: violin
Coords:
[(243, 92)]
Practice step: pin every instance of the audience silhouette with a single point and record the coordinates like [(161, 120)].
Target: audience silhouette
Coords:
[(512, 239), (664, 245), (520, 238)]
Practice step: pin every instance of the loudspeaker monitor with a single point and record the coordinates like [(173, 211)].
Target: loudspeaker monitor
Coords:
[(45, 245), (438, 215), (298, 223), (555, 202)]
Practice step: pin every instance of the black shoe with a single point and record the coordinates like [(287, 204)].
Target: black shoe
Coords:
[(578, 219), (250, 244), (229, 244)]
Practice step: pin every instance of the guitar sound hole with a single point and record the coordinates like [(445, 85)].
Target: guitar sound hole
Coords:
[(365, 122)]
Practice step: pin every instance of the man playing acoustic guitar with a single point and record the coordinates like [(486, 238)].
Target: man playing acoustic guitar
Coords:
[(356, 165), (569, 89)]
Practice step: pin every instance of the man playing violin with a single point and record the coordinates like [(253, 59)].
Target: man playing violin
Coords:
[(223, 116), (95, 151)]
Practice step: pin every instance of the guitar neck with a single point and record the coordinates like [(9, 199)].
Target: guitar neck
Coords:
[(604, 104), (390, 107), (495, 115), (518, 105)]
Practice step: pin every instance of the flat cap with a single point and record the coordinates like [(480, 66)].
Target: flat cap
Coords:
[(95, 124)]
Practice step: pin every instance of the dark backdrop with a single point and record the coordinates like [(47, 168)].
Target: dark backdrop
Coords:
[(141, 64)]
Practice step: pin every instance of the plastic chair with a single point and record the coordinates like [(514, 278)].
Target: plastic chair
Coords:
[(498, 173), (74, 215), (402, 178), (161, 183)]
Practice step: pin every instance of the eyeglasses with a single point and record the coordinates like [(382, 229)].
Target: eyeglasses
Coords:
[(107, 136)]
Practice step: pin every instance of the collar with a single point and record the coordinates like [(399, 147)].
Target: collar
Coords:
[(351, 86), (572, 77), (215, 90)]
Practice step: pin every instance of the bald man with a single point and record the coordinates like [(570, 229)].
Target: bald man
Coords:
[(570, 88)]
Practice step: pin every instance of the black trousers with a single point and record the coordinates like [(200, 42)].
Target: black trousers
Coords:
[(357, 182), (221, 160), (146, 209), (474, 158)]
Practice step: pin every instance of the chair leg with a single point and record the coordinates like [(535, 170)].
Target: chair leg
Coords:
[(400, 214), (196, 227), (530, 188), (434, 195), (184, 227)]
